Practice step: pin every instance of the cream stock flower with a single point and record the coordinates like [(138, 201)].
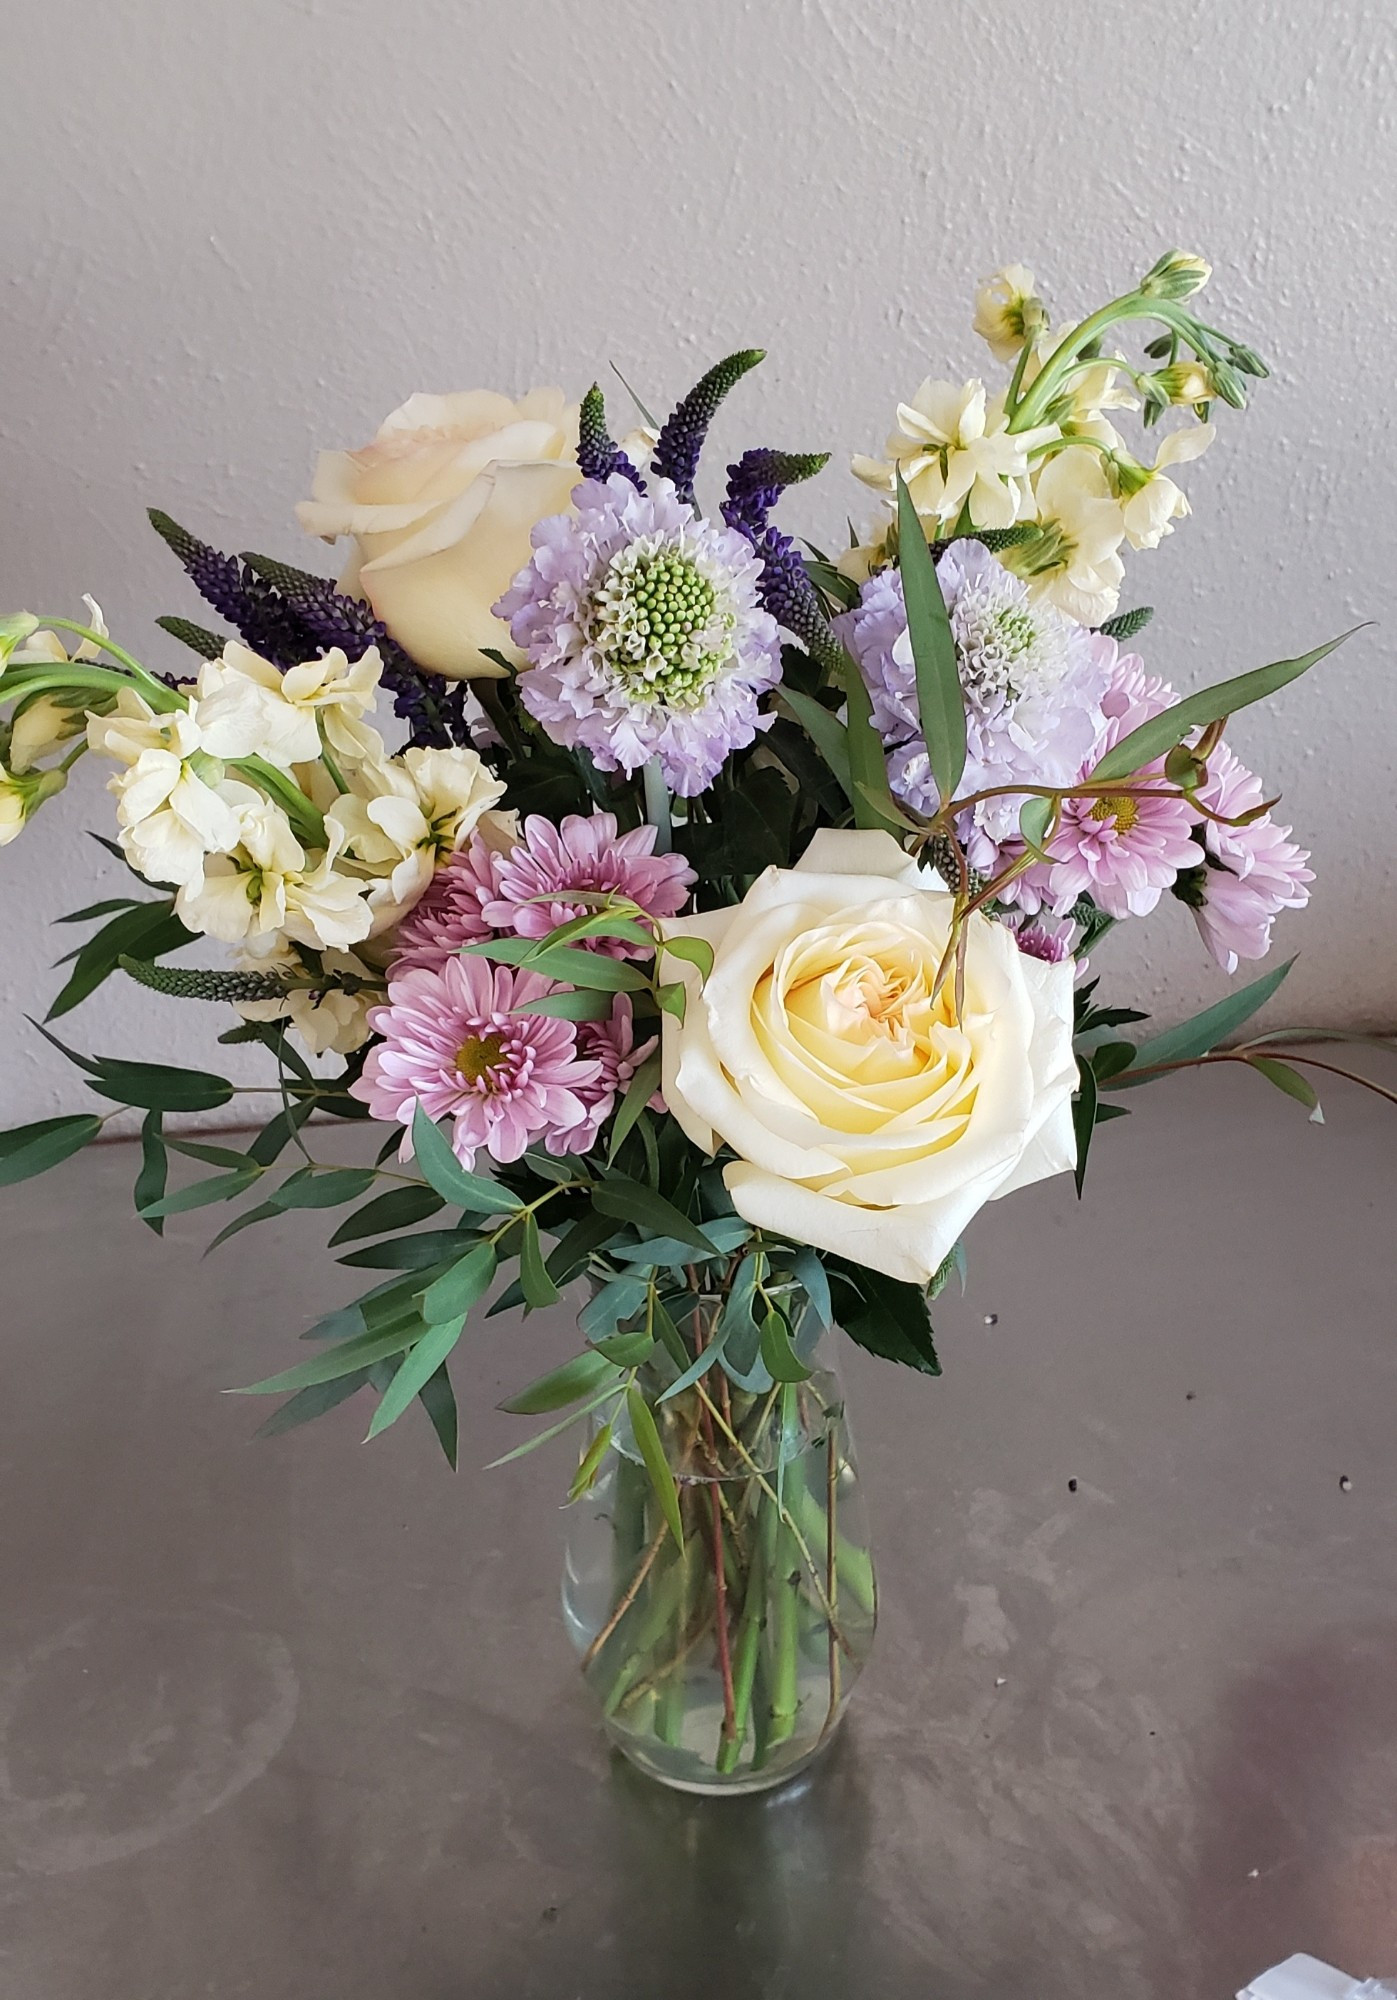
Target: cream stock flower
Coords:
[(328, 1020), (246, 707), (1152, 502), (263, 886), (1073, 561), (953, 449), (400, 818), (172, 809), (867, 1121), (1008, 310), (441, 506)]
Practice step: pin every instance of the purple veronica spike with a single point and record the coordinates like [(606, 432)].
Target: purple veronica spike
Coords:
[(250, 606), (755, 484), (598, 455), (676, 454)]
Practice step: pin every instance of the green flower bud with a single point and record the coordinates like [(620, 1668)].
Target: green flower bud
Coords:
[(1177, 275)]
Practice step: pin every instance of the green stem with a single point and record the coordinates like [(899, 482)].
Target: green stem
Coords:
[(1134, 305), (657, 810), (746, 1653)]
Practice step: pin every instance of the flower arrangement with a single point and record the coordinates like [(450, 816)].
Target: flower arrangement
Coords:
[(716, 934)]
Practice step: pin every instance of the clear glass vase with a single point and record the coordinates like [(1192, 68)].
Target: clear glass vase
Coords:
[(726, 1666)]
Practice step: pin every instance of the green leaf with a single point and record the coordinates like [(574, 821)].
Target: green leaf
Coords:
[(1197, 1037), (869, 791), (312, 1187), (639, 1091), (940, 701), (725, 1234), (571, 1253), (438, 1399), (693, 950), (627, 1350), (158, 1087), (203, 1194), (582, 1376), (445, 1173), (585, 1477), (1083, 1119), (264, 1212), (884, 1316), (1152, 739), (574, 968), (155, 1167), (601, 923), (398, 1209), (647, 1439), (276, 1135), (1035, 815), (148, 930), (1291, 1082), (782, 1362), (409, 1253), (826, 732), (28, 1150), (451, 1296), (539, 1288), (568, 1006), (208, 1156), (342, 1359), (673, 999), (554, 1430), (630, 1202), (95, 910), (414, 1371), (308, 1404), (613, 1304)]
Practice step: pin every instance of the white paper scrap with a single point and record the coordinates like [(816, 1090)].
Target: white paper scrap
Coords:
[(1305, 1978)]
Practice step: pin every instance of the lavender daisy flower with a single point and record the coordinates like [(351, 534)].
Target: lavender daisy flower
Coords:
[(587, 854), (644, 632), (1034, 683)]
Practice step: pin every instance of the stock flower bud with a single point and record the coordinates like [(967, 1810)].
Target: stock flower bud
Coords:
[(1185, 382), (14, 630), (1177, 275)]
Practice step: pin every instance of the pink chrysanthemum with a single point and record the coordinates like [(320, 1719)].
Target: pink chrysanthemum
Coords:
[(1253, 873), (451, 912), (453, 1044), (1125, 849), (612, 1045), (584, 854)]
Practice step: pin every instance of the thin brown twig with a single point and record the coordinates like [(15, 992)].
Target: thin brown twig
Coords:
[(632, 1592)]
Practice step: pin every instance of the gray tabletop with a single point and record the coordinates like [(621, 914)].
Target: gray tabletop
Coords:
[(298, 1718)]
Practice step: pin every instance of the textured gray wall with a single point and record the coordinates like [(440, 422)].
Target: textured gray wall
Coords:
[(236, 234)]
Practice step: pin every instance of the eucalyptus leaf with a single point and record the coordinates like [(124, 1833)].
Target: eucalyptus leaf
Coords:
[(160, 1087), (779, 1357), (826, 732), (414, 1371), (153, 1177), (308, 1404), (341, 1359), (585, 1477), (940, 701), (1197, 1037), (1155, 738), (568, 1006), (695, 951), (438, 1399), (1291, 1082), (582, 1376), (28, 1150), (628, 1201), (1084, 1106), (652, 1451), (539, 1289), (451, 1296), (314, 1187), (445, 1173), (399, 1208), (639, 1091)]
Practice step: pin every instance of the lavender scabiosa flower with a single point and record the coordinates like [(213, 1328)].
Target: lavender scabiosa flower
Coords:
[(1034, 683), (1250, 873), (554, 862), (644, 633), (453, 1043)]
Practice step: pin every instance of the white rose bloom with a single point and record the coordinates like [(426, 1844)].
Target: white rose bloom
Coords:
[(1153, 503), (867, 1121), (441, 506), (953, 448), (246, 707)]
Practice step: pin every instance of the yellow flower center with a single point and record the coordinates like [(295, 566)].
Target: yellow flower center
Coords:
[(479, 1056), (1122, 809)]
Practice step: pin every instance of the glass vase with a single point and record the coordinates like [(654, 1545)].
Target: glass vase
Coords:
[(725, 1666)]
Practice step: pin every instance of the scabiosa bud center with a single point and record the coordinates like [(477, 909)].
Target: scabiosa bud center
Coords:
[(657, 621), (1005, 646)]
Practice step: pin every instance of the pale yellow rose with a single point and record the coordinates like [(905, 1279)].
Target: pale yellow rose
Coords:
[(441, 506), (866, 1119)]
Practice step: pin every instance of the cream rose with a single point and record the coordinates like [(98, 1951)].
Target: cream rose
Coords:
[(441, 505), (866, 1120)]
